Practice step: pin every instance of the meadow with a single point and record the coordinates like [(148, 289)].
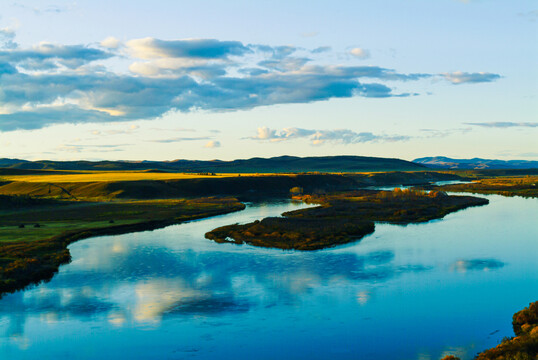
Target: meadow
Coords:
[(34, 236), (106, 176)]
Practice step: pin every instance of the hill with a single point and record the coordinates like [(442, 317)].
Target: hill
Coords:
[(281, 164), (475, 163)]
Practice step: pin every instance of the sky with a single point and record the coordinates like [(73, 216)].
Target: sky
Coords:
[(207, 79)]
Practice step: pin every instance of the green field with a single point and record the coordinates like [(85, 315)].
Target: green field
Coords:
[(34, 237)]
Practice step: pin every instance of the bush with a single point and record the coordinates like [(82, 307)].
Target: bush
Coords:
[(297, 190), (523, 321)]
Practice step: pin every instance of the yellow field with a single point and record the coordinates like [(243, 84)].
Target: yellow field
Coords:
[(105, 176)]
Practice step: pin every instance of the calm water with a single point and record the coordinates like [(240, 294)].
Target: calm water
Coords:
[(404, 292)]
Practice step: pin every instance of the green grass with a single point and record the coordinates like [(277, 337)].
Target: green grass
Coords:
[(30, 254), (49, 229)]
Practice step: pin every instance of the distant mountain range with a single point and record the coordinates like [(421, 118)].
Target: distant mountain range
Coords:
[(476, 163), (281, 164)]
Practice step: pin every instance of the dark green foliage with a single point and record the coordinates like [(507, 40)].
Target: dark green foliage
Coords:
[(10, 202)]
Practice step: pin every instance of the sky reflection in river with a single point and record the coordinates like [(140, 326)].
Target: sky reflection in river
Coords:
[(403, 292)]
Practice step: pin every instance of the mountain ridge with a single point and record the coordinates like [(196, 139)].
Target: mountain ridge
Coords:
[(443, 162), (279, 164)]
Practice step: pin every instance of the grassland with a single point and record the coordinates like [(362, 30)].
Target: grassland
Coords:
[(107, 176), (35, 235), (525, 186), (342, 218), (99, 186)]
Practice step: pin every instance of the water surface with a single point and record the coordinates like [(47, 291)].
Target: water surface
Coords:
[(404, 292)]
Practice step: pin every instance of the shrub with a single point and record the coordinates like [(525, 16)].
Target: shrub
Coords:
[(297, 190)]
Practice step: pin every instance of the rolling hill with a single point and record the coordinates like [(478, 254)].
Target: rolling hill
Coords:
[(281, 164), (442, 162)]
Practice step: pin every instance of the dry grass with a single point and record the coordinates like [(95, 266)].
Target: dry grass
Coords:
[(107, 176), (525, 186)]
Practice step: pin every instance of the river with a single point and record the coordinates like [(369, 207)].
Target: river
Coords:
[(404, 292)]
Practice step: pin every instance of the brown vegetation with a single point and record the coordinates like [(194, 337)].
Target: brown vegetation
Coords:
[(525, 186), (342, 218), (293, 233), (524, 346)]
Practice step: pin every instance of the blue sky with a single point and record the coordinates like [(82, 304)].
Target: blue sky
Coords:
[(211, 79)]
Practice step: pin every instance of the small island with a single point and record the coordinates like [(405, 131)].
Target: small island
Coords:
[(342, 218)]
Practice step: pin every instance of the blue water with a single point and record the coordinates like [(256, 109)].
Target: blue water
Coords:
[(404, 292)]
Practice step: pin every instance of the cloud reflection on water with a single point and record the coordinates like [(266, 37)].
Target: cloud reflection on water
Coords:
[(463, 266), (150, 283)]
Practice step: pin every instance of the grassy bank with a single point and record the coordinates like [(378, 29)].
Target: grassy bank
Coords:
[(34, 237), (342, 218), (525, 186)]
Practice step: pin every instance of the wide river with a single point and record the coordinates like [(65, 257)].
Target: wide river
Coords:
[(403, 292)]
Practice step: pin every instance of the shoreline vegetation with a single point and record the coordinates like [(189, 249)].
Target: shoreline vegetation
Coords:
[(342, 218), (524, 186), (35, 233), (42, 211), (523, 346)]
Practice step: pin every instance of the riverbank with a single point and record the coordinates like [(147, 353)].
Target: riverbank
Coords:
[(524, 186), (342, 218), (34, 237), (524, 346)]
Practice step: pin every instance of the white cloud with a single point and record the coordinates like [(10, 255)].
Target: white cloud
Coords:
[(320, 137), (460, 77), (504, 124), (360, 53), (151, 48), (212, 144), (265, 133), (111, 43), (55, 83)]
